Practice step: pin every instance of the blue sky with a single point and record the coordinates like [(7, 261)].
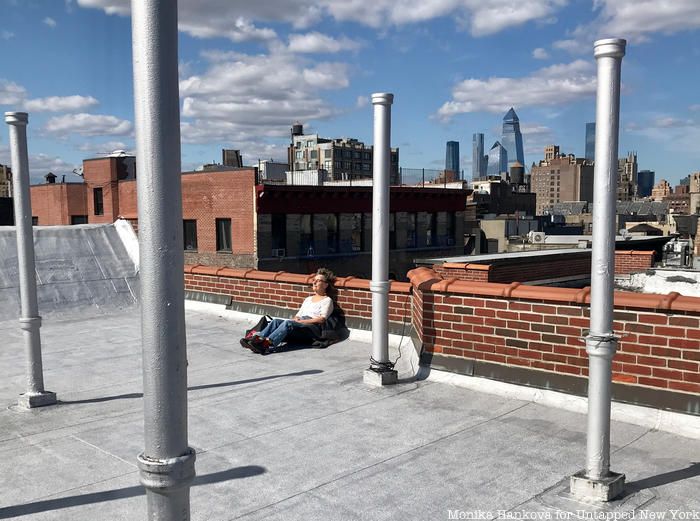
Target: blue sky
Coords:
[(248, 70)]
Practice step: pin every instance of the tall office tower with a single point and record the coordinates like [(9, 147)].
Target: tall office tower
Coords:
[(590, 142), (645, 183), (478, 160), (497, 161), (230, 157), (512, 139), (452, 157), (627, 177), (5, 181)]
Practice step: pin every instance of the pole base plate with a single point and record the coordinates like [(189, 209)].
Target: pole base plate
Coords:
[(32, 400), (606, 489), (376, 379)]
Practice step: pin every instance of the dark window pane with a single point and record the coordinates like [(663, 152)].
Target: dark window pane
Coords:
[(97, 199), (35, 221), (306, 243), (78, 219), (358, 232), (279, 234), (223, 235), (190, 234), (332, 234)]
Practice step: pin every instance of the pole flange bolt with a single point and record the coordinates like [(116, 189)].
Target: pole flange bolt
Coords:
[(169, 474), (601, 345), (30, 323)]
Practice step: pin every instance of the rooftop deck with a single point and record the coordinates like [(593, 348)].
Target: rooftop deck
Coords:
[(297, 435)]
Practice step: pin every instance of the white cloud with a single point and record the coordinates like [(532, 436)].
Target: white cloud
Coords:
[(234, 19), (88, 125), (243, 97), (6, 35), (315, 42), (49, 21), (60, 103), (103, 148), (11, 93), (540, 54), (634, 20), (671, 122), (41, 164), (694, 108), (554, 85), (362, 101)]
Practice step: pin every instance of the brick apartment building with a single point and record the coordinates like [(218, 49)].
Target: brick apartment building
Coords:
[(230, 220), (561, 178)]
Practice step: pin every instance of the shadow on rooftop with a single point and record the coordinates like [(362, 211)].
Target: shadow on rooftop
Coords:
[(128, 396), (121, 493), (659, 480)]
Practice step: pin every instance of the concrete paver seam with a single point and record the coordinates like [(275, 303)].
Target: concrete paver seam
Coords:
[(381, 462)]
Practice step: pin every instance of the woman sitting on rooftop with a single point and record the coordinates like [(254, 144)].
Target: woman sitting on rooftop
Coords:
[(314, 312)]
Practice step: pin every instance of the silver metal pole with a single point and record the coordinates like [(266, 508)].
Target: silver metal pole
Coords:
[(601, 343), (30, 321), (167, 463), (379, 285)]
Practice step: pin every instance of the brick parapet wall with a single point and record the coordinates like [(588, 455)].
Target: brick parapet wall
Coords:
[(542, 268), (288, 290), (543, 329), (512, 326), (632, 261)]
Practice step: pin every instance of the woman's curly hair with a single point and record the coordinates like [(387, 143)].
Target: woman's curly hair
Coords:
[(331, 290)]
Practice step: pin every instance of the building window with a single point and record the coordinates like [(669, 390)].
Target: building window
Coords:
[(411, 230), (451, 226), (357, 235), (332, 233), (223, 235), (431, 231), (78, 219), (392, 231), (313, 154), (35, 221), (306, 235), (299, 154), (190, 234), (97, 200), (279, 234)]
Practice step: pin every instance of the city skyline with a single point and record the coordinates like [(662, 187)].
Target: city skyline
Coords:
[(248, 72)]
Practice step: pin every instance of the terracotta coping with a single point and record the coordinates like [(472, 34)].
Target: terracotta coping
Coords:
[(466, 266), (633, 252), (426, 279)]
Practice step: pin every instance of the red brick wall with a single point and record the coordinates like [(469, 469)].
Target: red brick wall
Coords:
[(208, 196), (288, 290), (543, 329), (525, 270), (632, 261), (55, 203), (102, 173)]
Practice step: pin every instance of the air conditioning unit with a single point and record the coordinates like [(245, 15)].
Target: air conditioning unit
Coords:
[(279, 252), (536, 237)]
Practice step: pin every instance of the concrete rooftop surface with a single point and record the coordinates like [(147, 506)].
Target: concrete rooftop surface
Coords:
[(296, 435)]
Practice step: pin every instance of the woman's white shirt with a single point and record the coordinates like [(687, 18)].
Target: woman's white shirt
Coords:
[(322, 308)]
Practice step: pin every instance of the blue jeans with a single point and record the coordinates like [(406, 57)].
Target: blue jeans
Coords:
[(278, 329)]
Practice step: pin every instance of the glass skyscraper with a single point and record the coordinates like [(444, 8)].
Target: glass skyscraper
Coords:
[(498, 160), (478, 159), (512, 139), (452, 157), (590, 141), (645, 182)]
